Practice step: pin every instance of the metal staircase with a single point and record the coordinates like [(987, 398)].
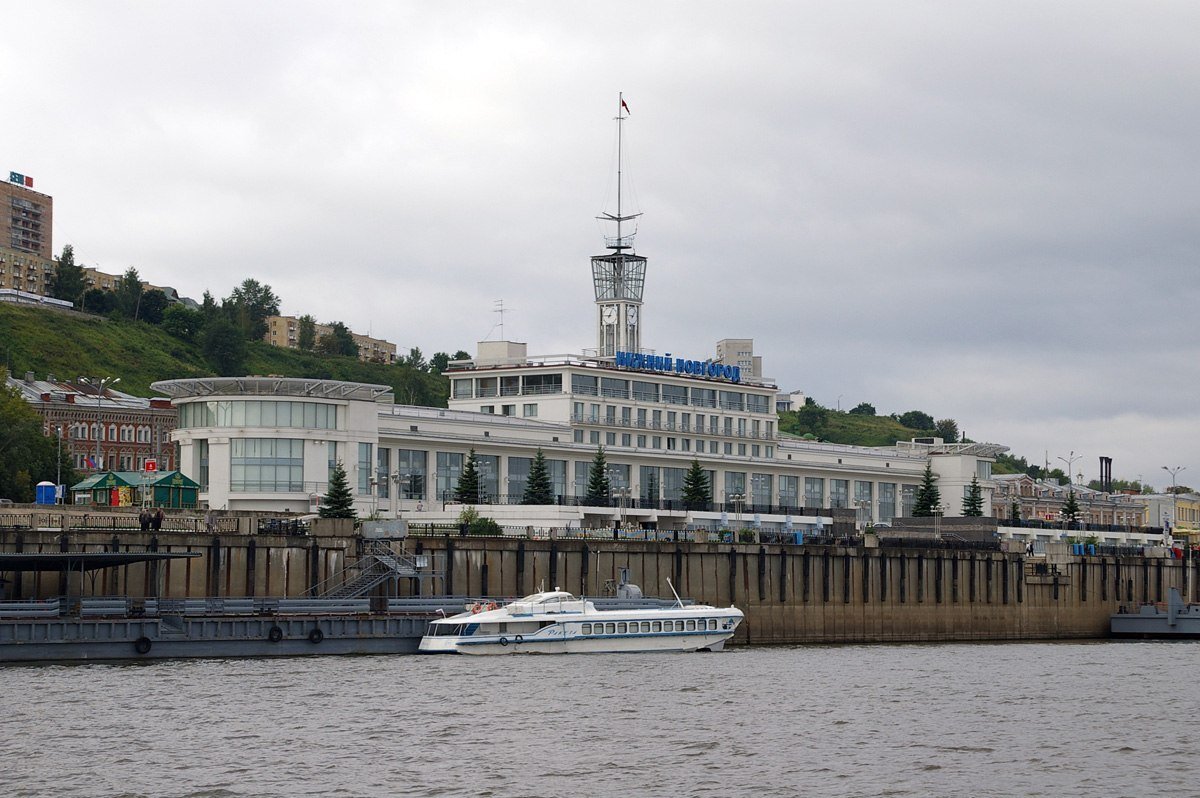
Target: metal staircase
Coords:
[(377, 565)]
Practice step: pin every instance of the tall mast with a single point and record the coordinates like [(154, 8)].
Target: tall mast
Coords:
[(619, 276)]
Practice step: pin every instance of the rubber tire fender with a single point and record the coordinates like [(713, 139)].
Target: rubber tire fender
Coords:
[(518, 639), (142, 645), (316, 636), (504, 641), (276, 634)]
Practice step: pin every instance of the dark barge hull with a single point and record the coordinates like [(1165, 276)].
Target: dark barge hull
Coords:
[(81, 640), (1174, 621)]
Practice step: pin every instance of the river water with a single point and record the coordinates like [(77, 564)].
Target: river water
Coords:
[(1052, 719)]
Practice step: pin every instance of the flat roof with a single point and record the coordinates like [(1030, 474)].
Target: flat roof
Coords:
[(274, 386)]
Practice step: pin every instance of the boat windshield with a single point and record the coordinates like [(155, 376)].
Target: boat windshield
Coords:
[(543, 598)]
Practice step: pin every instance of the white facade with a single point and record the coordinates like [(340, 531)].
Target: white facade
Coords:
[(268, 444)]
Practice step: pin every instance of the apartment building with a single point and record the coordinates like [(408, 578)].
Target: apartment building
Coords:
[(285, 331)]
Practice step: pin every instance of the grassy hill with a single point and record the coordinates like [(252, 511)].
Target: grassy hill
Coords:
[(838, 427), (68, 344)]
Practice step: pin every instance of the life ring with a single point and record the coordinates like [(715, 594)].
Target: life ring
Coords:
[(504, 641), (491, 605), (276, 634), (518, 639), (142, 645), (316, 636), (477, 608)]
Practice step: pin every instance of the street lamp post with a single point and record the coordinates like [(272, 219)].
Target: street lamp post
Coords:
[(58, 462), (1070, 461), (1174, 495), (100, 383)]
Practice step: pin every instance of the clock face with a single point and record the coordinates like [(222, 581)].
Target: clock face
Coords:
[(632, 315), (609, 314)]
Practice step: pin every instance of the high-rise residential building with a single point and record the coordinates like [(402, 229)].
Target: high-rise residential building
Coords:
[(26, 246)]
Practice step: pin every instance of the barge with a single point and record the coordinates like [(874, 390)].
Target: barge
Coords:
[(1175, 620)]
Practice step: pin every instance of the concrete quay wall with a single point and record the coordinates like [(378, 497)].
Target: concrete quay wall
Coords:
[(790, 594), (833, 594)]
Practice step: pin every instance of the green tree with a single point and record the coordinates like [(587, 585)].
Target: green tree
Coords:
[(27, 455), (697, 493), (338, 501), (1014, 512), (863, 409), (928, 499), (1070, 508), (468, 487), (339, 341), (98, 301), (154, 306), (438, 362), (598, 488), (915, 419), (972, 505), (538, 490), (306, 337), (224, 347), (946, 429), (249, 305), (416, 359), (128, 294), (182, 322), (69, 281)]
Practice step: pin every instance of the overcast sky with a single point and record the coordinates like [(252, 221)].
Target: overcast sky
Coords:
[(986, 211)]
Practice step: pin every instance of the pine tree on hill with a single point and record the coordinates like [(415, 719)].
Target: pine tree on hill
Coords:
[(928, 498), (599, 490), (467, 489), (972, 506), (1070, 510), (697, 493), (338, 501), (538, 490)]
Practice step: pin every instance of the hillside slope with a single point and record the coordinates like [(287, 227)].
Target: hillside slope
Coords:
[(69, 344)]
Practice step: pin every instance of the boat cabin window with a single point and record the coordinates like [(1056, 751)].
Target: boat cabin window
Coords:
[(712, 623), (656, 626), (610, 628), (668, 626), (691, 626), (585, 629), (621, 628), (645, 627)]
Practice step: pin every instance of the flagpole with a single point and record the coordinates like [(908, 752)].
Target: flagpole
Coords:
[(620, 119)]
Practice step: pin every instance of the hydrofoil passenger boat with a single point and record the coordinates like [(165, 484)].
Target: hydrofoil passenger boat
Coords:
[(556, 622)]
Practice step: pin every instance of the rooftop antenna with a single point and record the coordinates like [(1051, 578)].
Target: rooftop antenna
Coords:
[(499, 308)]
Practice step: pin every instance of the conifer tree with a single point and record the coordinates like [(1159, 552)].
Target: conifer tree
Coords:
[(928, 497), (652, 489), (1015, 511), (598, 488), (1070, 510), (538, 490), (467, 489), (972, 506), (337, 502), (697, 492), (69, 281)]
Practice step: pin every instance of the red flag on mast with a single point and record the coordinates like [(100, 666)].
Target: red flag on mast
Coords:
[(623, 105)]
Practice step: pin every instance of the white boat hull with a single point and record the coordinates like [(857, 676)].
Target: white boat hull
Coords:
[(560, 624)]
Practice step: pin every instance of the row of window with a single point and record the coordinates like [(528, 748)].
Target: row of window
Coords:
[(119, 462), (262, 413), (648, 627), (671, 420), (125, 433), (673, 444), (610, 387)]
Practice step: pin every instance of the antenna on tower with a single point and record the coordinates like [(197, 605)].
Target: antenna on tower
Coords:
[(499, 308)]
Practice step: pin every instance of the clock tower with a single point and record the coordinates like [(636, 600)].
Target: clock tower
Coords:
[(618, 276)]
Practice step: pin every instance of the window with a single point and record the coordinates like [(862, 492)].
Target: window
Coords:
[(814, 492), (656, 626), (585, 629), (641, 441), (266, 465), (594, 437), (760, 489), (839, 493), (487, 409), (586, 384), (610, 439), (691, 626), (610, 628), (202, 463), (789, 491), (508, 410), (675, 394), (383, 459), (577, 436), (364, 468), (645, 627), (626, 439), (621, 628), (449, 469), (262, 413), (529, 410), (410, 473)]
